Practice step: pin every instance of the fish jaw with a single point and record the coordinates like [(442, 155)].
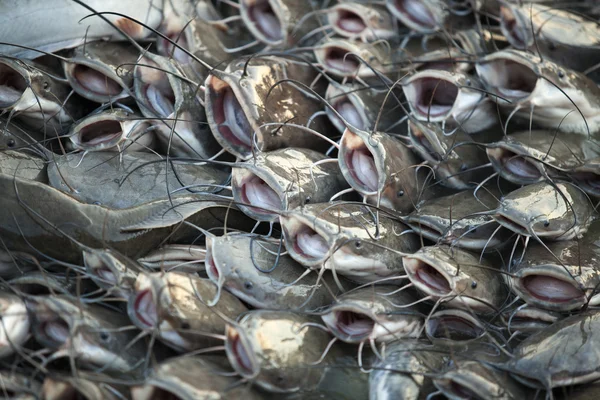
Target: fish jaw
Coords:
[(265, 20), (100, 132), (142, 306), (257, 194), (515, 27), (14, 326), (357, 21), (513, 167), (422, 16), (336, 57), (154, 90), (454, 327), (308, 246), (350, 324), (529, 320), (95, 82), (357, 267), (345, 105), (359, 164), (240, 353)]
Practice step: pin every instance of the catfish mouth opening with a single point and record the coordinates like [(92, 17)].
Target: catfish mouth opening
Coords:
[(425, 228), (232, 123), (511, 163), (95, 82), (238, 353), (512, 29), (308, 244), (170, 50), (550, 289), (427, 275), (144, 309), (352, 325), (99, 132), (348, 22), (349, 112), (12, 86), (453, 327), (455, 389), (360, 163), (589, 182), (341, 60), (55, 330), (257, 195), (155, 393), (510, 79), (421, 140), (160, 99), (264, 19), (416, 12), (211, 268), (512, 225), (433, 97)]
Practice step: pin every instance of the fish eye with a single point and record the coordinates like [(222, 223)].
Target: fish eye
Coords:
[(11, 143), (546, 223), (185, 325), (464, 167), (46, 85), (468, 82), (400, 193), (248, 285), (307, 200), (104, 336), (358, 244), (97, 203), (561, 74), (473, 285)]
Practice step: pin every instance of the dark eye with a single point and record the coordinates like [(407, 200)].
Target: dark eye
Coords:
[(473, 284), (248, 285), (307, 200), (46, 85), (400, 193), (185, 325), (358, 244), (104, 336), (97, 203), (11, 143), (547, 224), (561, 74)]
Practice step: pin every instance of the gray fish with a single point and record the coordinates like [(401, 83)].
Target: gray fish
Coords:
[(423, 16), (85, 385), (586, 177), (116, 129), (550, 94), (381, 168), (406, 370), (102, 71), (192, 378), (367, 22), (456, 159), (240, 100), (14, 324), (461, 220), (450, 97), (18, 386), (455, 328), (164, 93), (279, 350), (558, 212), (456, 277), (89, 334), (377, 314), (112, 271), (28, 24), (531, 156), (180, 257), (175, 306), (566, 353), (348, 239), (526, 320), (254, 271), (40, 282), (284, 179), (130, 179), (15, 137), (23, 165)]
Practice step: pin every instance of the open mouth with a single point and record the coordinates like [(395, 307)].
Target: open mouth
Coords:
[(512, 225), (550, 289), (170, 50), (360, 163), (144, 393), (145, 309), (512, 30), (99, 132), (349, 112), (308, 244), (348, 22), (95, 81), (237, 350), (422, 141), (513, 164), (264, 19), (341, 60), (457, 390), (229, 116), (433, 97), (55, 331), (256, 193), (453, 327), (352, 325), (426, 275), (416, 12), (161, 100), (12, 86), (510, 79)]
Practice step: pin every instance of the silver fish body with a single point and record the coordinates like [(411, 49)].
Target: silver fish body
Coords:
[(179, 257), (87, 385), (112, 271), (14, 323)]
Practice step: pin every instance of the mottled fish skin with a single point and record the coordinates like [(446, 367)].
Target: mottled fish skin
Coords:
[(550, 94), (462, 219), (456, 159), (131, 179), (23, 165), (241, 99), (373, 314), (163, 93), (112, 271), (88, 385), (116, 129), (348, 239), (102, 71), (15, 137), (278, 349), (458, 277), (558, 212), (406, 371), (89, 333), (175, 306), (539, 361), (191, 378), (380, 167), (283, 180), (367, 22), (252, 269), (531, 156)]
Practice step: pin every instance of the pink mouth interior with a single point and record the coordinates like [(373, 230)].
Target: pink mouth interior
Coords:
[(175, 51), (432, 278), (335, 58), (417, 12), (228, 114), (349, 112), (435, 97), (461, 391), (518, 166), (309, 244), (264, 18), (12, 86), (241, 355), (512, 29), (145, 308), (258, 193), (350, 22), (354, 325), (161, 99), (57, 330), (95, 81), (361, 165), (512, 80), (454, 328), (211, 268), (551, 289), (100, 132)]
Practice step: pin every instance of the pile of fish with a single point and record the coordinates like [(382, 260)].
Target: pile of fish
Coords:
[(299, 199)]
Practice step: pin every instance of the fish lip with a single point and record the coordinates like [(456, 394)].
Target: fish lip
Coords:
[(338, 97), (100, 270), (494, 66), (340, 49), (338, 12), (246, 8), (523, 278), (246, 174), (504, 161), (23, 81), (456, 385), (135, 301), (418, 222), (212, 270), (78, 132), (454, 315), (423, 144), (427, 277), (292, 226), (532, 319), (508, 222), (587, 184), (147, 66), (236, 348), (414, 93), (510, 20), (350, 143), (340, 330), (71, 68), (217, 85), (398, 9)]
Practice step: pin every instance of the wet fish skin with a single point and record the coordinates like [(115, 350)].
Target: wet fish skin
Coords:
[(112, 271), (175, 256), (40, 282), (85, 384), (15, 137), (284, 179), (23, 166), (131, 179)]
